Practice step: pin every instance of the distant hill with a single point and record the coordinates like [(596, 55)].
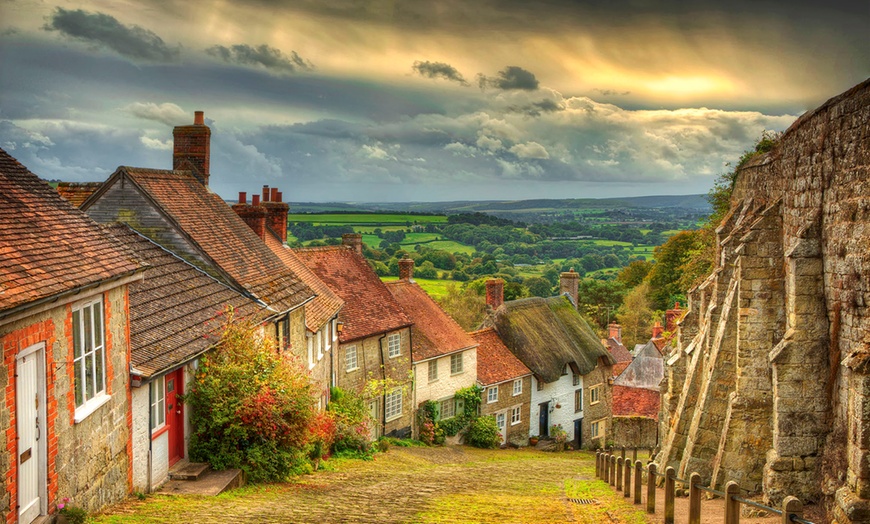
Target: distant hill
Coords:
[(688, 202)]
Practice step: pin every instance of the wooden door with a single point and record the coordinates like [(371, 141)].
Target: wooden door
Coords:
[(544, 419), (578, 433), (175, 415), (32, 433)]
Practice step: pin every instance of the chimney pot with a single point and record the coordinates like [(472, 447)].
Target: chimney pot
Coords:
[(615, 332), (569, 282), (191, 148), (657, 330), (273, 197), (255, 200), (280, 197), (406, 269), (198, 118), (494, 292), (243, 197), (265, 193)]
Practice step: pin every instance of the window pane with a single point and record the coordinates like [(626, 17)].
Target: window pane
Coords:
[(77, 334), (98, 324), (89, 376), (78, 381), (89, 343), (99, 376)]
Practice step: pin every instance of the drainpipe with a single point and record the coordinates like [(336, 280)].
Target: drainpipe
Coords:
[(384, 376), (150, 442)]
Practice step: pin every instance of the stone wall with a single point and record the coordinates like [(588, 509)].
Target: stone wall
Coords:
[(769, 381), (517, 434), (635, 432)]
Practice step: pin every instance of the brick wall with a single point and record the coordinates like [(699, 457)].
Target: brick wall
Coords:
[(517, 434)]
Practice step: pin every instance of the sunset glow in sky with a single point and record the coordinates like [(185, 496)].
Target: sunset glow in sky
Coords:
[(392, 100)]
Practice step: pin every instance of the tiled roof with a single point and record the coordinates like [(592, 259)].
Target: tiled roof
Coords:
[(326, 304), (434, 332), (47, 246), (495, 362), (224, 237), (619, 352), (77, 192), (174, 311), (369, 308), (546, 334), (634, 402)]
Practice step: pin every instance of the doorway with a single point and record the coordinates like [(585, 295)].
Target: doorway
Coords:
[(175, 415), (32, 433), (578, 433), (544, 419)]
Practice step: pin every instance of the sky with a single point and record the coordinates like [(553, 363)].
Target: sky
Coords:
[(410, 100)]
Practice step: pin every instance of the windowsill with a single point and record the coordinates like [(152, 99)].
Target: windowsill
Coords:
[(593, 403), (517, 394), (394, 417), (492, 401), (351, 370), (515, 423), (159, 431), (457, 373), (85, 410), (433, 380), (394, 356)]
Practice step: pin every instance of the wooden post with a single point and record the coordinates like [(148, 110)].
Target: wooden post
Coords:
[(605, 463), (613, 470), (670, 492), (598, 464), (732, 507), (623, 452), (650, 455), (634, 455), (695, 498), (619, 473), (651, 488), (791, 506), (626, 492), (638, 481)]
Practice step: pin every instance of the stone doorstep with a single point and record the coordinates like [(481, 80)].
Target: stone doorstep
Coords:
[(209, 483), (188, 471)]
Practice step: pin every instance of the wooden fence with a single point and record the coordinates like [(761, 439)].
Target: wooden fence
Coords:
[(618, 472)]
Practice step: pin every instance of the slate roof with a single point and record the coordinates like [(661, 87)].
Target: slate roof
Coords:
[(174, 311), (77, 192), (495, 362), (220, 234), (326, 304), (636, 390), (434, 332), (369, 308), (47, 246), (546, 334)]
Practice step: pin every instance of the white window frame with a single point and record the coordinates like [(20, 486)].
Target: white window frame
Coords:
[(158, 403), (310, 351), (394, 345), (595, 394), (87, 402), (319, 345), (327, 330), (578, 400), (516, 415), (492, 394), (597, 428), (348, 351), (447, 409), (393, 405), (433, 370), (518, 387), (456, 369)]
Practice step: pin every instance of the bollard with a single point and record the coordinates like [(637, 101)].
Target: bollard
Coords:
[(670, 491), (619, 473), (634, 455), (613, 470), (605, 466), (695, 498), (627, 479), (623, 452), (651, 488), (638, 480), (791, 506), (732, 507), (598, 464)]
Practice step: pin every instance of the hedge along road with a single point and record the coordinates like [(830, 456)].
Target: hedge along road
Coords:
[(419, 484)]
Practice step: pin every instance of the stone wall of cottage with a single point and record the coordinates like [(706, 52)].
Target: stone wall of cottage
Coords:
[(770, 384), (517, 434), (446, 384), (601, 412)]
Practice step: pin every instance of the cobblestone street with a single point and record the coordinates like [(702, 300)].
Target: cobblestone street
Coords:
[(448, 484)]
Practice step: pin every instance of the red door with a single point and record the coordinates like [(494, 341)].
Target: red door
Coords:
[(175, 415)]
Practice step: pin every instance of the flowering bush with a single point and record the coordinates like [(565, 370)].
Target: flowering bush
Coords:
[(353, 425), (559, 437), (73, 514)]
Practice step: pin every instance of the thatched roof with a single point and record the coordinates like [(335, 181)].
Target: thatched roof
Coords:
[(548, 333)]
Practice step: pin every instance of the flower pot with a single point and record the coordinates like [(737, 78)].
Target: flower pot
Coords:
[(533, 441), (60, 519)]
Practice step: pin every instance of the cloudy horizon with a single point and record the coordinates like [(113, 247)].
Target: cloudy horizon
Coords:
[(341, 100)]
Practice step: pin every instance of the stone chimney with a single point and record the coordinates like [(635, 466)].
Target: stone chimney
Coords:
[(672, 316), (406, 269), (494, 292), (615, 332), (254, 215), (276, 212), (569, 282), (191, 148), (658, 330), (353, 240)]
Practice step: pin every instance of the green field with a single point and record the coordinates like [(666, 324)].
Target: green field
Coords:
[(372, 219), (434, 288)]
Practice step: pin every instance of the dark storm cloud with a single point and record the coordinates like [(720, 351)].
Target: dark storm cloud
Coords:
[(538, 108), (262, 55), (106, 31), (511, 77), (612, 92), (439, 70)]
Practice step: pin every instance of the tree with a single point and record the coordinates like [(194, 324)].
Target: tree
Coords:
[(679, 262), (538, 287), (636, 316), (465, 305), (634, 273)]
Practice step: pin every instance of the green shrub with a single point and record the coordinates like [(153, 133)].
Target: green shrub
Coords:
[(483, 433), (352, 421)]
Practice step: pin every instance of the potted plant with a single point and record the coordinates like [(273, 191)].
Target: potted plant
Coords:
[(533, 440)]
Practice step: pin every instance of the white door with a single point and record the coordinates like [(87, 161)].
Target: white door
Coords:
[(30, 416), (501, 422), (374, 413)]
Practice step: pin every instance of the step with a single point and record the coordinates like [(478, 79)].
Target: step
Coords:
[(189, 471), (210, 483)]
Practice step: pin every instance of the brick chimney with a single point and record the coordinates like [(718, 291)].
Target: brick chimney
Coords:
[(406, 269), (658, 330), (569, 282), (353, 240), (615, 332), (191, 148), (254, 215), (672, 316), (276, 212), (494, 292)]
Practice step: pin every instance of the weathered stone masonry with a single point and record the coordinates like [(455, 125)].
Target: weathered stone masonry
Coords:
[(769, 381)]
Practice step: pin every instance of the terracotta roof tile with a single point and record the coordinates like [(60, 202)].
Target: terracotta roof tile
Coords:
[(495, 362), (369, 308), (173, 310), (47, 246), (434, 332), (224, 237), (326, 304), (77, 192), (633, 402)]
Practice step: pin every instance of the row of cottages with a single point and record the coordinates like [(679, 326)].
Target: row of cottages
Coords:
[(65, 337)]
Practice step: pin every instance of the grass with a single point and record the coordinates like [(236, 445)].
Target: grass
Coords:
[(433, 287), (371, 219)]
